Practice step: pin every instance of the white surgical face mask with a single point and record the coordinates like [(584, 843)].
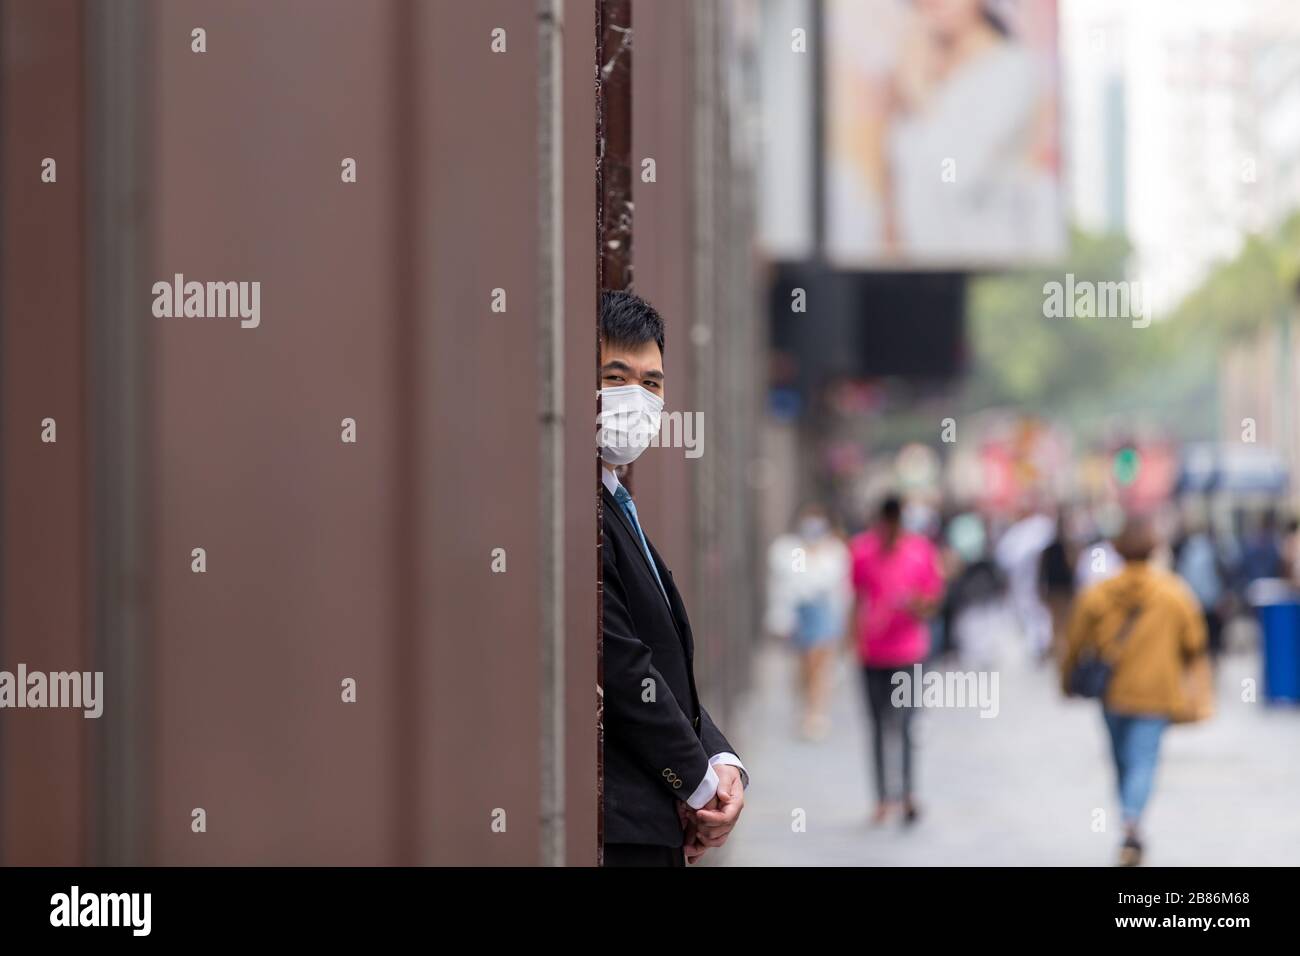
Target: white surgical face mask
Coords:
[(628, 422)]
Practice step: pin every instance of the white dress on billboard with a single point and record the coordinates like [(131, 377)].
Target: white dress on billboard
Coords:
[(964, 186)]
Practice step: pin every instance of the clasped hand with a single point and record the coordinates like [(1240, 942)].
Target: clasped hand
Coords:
[(710, 825)]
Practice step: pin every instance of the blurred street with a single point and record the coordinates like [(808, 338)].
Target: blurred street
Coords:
[(1016, 789)]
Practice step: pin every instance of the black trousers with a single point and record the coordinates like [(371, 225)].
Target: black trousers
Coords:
[(643, 854), (1214, 632), (891, 728)]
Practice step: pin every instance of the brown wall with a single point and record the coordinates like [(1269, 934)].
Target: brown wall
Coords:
[(479, 673), (303, 581), (44, 603), (326, 560), (692, 259), (663, 253), (582, 491)]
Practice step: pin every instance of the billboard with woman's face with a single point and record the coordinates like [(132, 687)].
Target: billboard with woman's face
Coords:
[(942, 140)]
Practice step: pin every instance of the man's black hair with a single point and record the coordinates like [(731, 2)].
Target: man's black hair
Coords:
[(628, 320), (891, 509)]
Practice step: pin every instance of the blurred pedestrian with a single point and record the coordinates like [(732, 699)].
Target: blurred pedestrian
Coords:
[(1056, 582), (1198, 563), (809, 595), (1098, 561), (1291, 551), (975, 611), (898, 584), (1261, 555), (1018, 554), (1129, 643)]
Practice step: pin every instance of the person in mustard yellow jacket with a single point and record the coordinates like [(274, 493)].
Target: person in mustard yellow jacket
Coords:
[(1147, 624)]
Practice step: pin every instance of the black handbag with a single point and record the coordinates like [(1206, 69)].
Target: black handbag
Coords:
[(1091, 674)]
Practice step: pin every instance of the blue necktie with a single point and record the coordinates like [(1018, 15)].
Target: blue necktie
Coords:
[(629, 508)]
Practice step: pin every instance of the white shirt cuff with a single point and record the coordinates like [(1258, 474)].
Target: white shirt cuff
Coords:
[(728, 757), (706, 791)]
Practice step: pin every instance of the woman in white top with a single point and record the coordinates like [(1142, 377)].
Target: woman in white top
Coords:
[(809, 597)]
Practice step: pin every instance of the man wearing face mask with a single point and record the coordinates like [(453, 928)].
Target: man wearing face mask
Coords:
[(673, 784)]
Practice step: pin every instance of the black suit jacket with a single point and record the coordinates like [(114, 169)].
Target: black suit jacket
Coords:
[(658, 739)]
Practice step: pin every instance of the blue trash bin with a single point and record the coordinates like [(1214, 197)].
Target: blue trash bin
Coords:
[(1278, 610)]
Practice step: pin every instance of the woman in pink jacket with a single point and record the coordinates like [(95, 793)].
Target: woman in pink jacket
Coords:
[(898, 583)]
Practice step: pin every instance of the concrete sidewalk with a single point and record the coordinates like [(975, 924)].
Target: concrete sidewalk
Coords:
[(1021, 788)]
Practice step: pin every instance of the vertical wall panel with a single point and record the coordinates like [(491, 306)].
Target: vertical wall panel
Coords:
[(662, 261), (580, 429), (692, 250), (478, 433), (298, 526), (43, 602)]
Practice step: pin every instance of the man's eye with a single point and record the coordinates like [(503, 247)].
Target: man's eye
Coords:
[(650, 384)]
